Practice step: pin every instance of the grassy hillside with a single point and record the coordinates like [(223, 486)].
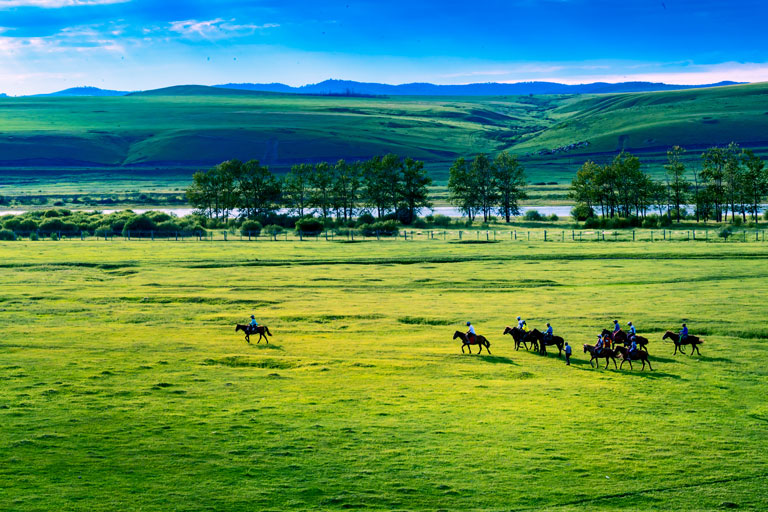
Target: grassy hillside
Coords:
[(126, 387), (646, 121)]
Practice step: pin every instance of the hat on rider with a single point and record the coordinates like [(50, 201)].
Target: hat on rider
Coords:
[(547, 324), (630, 323), (518, 318), (683, 325), (253, 316), (469, 323)]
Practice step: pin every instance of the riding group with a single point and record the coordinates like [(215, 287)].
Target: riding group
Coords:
[(611, 344), (633, 346)]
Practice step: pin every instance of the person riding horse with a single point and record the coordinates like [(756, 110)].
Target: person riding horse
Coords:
[(683, 334), (599, 345), (632, 332), (522, 325), (253, 325), (632, 348), (548, 333), (471, 335)]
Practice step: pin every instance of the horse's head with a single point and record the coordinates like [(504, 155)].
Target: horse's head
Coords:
[(508, 330), (667, 334), (585, 348), (458, 334), (239, 327)]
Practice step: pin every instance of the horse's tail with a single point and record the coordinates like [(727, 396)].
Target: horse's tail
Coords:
[(267, 329)]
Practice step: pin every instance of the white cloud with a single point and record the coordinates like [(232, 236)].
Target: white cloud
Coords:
[(55, 4), (216, 29)]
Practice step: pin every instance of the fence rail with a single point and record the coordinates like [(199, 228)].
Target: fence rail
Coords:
[(463, 236)]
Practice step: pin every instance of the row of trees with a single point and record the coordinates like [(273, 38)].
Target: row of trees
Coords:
[(387, 185), (482, 186), (730, 179)]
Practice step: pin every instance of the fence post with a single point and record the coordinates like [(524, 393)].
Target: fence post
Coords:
[(459, 234), (301, 238), (633, 235), (405, 234), (225, 236), (81, 235), (494, 235), (545, 235), (603, 236), (573, 235), (651, 235), (563, 234), (377, 235), (664, 232), (515, 234), (487, 236)]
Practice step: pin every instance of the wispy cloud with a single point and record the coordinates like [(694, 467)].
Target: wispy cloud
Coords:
[(55, 4), (83, 38), (217, 28)]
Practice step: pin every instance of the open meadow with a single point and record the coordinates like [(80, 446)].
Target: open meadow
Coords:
[(125, 385)]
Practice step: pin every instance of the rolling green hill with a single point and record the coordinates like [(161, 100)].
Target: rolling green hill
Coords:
[(49, 141)]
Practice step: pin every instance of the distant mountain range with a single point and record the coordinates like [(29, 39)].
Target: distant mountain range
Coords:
[(352, 88)]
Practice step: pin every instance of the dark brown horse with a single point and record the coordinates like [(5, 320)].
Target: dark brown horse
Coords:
[(537, 335), (604, 353), (479, 340), (261, 330), (639, 355), (519, 336), (693, 341), (622, 337)]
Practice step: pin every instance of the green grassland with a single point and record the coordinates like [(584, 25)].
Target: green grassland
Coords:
[(125, 386)]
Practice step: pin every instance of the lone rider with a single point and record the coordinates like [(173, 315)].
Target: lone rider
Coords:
[(683, 334), (471, 333), (254, 324), (548, 333)]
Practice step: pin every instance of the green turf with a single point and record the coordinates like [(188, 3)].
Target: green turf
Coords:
[(125, 386)]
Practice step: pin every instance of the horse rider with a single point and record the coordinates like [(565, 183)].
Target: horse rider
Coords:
[(548, 333), (521, 324), (683, 334), (599, 345), (616, 328), (632, 332), (254, 324), (632, 349), (471, 335)]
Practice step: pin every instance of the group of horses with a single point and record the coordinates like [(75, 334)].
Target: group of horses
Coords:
[(615, 345)]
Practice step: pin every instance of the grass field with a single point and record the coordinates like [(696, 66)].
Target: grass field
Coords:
[(126, 388)]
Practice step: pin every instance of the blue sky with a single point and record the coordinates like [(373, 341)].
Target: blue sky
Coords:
[(46, 45)]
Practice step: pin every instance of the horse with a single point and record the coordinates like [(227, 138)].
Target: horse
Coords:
[(640, 355), (519, 336), (261, 330), (479, 340), (604, 353), (555, 340), (621, 337), (693, 341)]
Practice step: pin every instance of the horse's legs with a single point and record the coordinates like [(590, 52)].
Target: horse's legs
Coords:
[(462, 348), (488, 348), (622, 364), (649, 364), (248, 339), (697, 349)]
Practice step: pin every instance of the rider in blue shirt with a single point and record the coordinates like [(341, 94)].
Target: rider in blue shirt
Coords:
[(632, 349), (520, 324), (616, 327), (632, 331), (683, 333), (599, 346), (548, 332), (254, 324), (471, 332)]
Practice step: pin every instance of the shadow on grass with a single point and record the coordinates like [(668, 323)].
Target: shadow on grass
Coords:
[(271, 346), (714, 359), (498, 360)]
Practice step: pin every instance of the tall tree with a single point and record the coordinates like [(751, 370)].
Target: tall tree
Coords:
[(733, 177), (484, 183), (584, 188), (755, 180), (414, 191), (713, 172), (297, 188), (346, 187), (260, 190), (676, 182), (461, 189), (375, 186), (509, 177), (321, 181)]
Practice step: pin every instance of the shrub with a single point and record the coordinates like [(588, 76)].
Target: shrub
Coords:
[(33, 237), (665, 221), (553, 218), (442, 221), (168, 228), (51, 225), (103, 231), (736, 221), (140, 225), (592, 223), (158, 217), (273, 229), (309, 226), (765, 214), (582, 212), (366, 218), (651, 222), (7, 235), (250, 227), (533, 215), (383, 228), (725, 233)]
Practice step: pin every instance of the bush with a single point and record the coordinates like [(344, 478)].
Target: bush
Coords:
[(365, 218), (309, 226), (665, 221), (382, 228), (442, 221), (51, 225), (168, 228), (103, 231), (582, 212), (651, 222), (737, 221), (765, 215), (553, 218), (140, 225), (592, 223), (725, 233), (533, 215), (33, 237), (6, 235), (250, 227)]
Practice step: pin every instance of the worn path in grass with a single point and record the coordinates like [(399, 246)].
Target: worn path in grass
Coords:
[(125, 386)]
